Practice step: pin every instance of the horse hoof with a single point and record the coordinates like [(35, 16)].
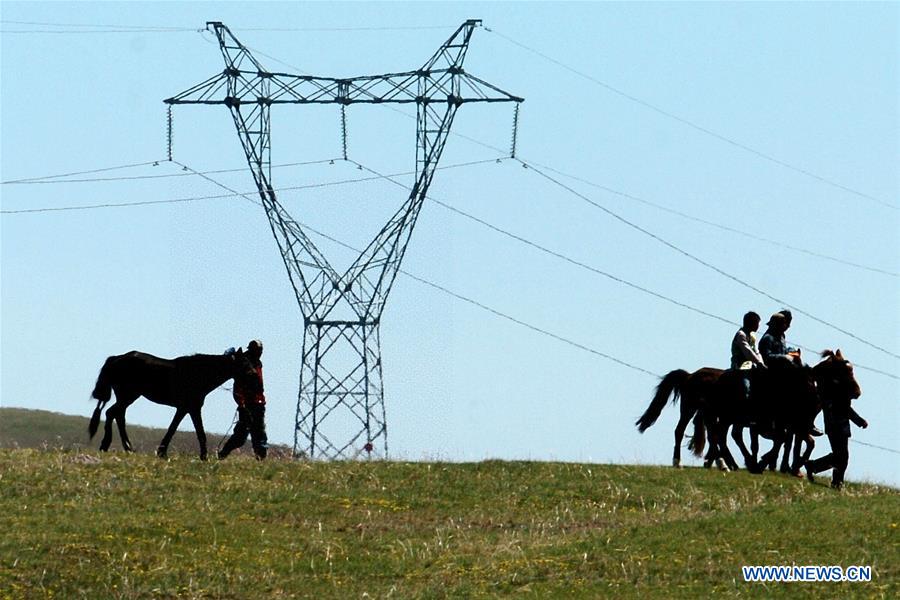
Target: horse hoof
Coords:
[(676, 463), (161, 453), (722, 466), (203, 457)]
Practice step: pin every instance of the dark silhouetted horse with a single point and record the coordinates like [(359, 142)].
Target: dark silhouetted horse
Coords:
[(714, 399), (833, 378), (182, 383), (782, 405), (690, 387)]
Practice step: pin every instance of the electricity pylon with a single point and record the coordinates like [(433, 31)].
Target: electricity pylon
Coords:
[(341, 376)]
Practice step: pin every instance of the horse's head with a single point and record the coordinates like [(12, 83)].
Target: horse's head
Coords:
[(242, 368), (834, 375)]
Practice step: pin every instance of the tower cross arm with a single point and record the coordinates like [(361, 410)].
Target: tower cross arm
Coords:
[(245, 81), (452, 84)]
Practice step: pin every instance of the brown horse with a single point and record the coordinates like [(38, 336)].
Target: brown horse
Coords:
[(691, 388), (714, 399), (182, 383), (783, 403)]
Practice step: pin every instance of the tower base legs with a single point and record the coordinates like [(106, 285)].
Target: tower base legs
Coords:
[(340, 405)]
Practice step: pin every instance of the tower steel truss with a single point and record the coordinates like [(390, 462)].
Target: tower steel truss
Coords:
[(341, 376)]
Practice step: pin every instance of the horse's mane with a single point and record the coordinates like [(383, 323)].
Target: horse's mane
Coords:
[(829, 357)]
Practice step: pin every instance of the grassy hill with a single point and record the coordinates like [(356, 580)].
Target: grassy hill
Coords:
[(25, 428), (80, 524)]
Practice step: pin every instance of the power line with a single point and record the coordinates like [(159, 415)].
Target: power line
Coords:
[(630, 196), (460, 296), (664, 208), (589, 267), (553, 253), (105, 169), (704, 263), (93, 31), (717, 225), (693, 125), (496, 312), (106, 205), (389, 177), (53, 178), (874, 446), (99, 28), (220, 196)]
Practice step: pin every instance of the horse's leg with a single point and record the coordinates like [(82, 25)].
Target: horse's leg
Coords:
[(197, 420), (799, 461), (726, 451), (686, 414), (713, 453), (107, 427), (176, 420), (754, 443), (770, 458), (724, 460), (120, 421), (737, 433), (788, 446)]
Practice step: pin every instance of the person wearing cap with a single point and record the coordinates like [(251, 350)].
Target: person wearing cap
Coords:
[(775, 351), (251, 401), (792, 352), (773, 346)]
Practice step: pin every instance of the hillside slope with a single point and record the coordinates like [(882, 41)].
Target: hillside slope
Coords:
[(26, 428), (132, 526)]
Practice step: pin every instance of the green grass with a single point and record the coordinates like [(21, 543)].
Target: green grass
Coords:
[(26, 428), (94, 525)]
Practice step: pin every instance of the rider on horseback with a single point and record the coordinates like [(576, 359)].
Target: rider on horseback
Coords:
[(775, 351), (744, 355), (773, 346)]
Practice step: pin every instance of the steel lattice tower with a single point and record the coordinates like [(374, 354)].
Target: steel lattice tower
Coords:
[(341, 376)]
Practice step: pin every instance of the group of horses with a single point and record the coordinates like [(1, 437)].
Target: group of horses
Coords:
[(783, 403)]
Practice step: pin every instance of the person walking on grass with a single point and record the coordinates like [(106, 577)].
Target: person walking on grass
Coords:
[(838, 414), (251, 401)]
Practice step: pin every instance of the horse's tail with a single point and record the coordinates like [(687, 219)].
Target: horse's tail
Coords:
[(698, 440), (670, 385), (102, 392)]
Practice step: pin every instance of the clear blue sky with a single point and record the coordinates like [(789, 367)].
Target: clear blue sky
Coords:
[(814, 86)]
